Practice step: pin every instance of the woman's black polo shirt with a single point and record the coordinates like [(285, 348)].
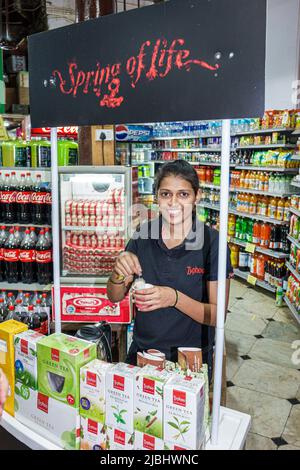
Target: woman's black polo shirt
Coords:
[(186, 268)]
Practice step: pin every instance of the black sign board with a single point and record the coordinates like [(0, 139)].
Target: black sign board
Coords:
[(178, 60)]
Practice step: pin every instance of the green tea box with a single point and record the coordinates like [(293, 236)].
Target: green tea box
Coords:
[(184, 403), (26, 359), (119, 440), (148, 400), (172, 446), (120, 381), (92, 390), (50, 418), (93, 435), (60, 358), (143, 441)]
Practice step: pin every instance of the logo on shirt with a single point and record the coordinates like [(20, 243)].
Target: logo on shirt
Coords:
[(192, 270)]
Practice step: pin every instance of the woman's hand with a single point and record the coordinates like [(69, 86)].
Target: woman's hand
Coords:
[(154, 298), (3, 390), (127, 265)]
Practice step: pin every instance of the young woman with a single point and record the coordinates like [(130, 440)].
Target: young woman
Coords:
[(178, 255)]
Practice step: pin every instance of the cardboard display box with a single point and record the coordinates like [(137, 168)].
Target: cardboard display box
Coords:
[(26, 358)]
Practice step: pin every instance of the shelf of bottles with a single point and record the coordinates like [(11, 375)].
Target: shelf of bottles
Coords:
[(292, 297), (259, 283), (292, 304)]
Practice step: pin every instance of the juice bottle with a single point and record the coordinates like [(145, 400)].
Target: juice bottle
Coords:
[(253, 265), (273, 208), (261, 267), (266, 183), (231, 225), (256, 239), (259, 203), (247, 180), (253, 204), (244, 229), (234, 255), (265, 233), (264, 206), (280, 209), (286, 213), (67, 151), (242, 179), (261, 181)]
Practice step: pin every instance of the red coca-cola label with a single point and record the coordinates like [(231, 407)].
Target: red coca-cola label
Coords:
[(23, 197), (48, 198), (11, 255), (1, 254), (44, 256), (8, 197), (27, 256), (38, 198)]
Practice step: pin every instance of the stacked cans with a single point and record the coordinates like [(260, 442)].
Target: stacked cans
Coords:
[(108, 212), (92, 252)]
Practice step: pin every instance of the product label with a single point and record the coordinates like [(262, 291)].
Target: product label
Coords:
[(119, 437), (55, 355), (91, 379), (24, 346), (1, 254), (8, 197), (119, 383), (44, 256), (11, 255), (38, 198), (27, 256), (23, 197), (92, 426), (179, 398), (149, 386), (148, 442), (252, 280), (48, 198), (43, 402)]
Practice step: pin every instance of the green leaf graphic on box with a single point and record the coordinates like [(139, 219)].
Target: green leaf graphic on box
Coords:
[(68, 439), (33, 352), (17, 391), (173, 425), (17, 340), (25, 392)]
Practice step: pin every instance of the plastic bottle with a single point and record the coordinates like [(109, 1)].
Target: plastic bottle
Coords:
[(3, 237), (231, 225), (250, 227), (11, 258), (8, 199), (23, 202), (33, 235), (10, 299), (38, 197), (11, 315), (41, 312), (253, 204), (253, 265), (286, 212), (261, 267), (44, 260), (280, 209), (244, 229), (3, 310), (273, 208), (234, 255), (27, 260), (256, 239), (243, 261)]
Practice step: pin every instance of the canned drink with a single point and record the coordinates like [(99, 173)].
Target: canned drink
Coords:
[(105, 221), (68, 206), (68, 220), (94, 241), (105, 241), (92, 221), (98, 221), (105, 208), (110, 196), (99, 240), (86, 220), (74, 221), (93, 205), (80, 208), (86, 208), (112, 240), (111, 209), (99, 205), (74, 207), (111, 221)]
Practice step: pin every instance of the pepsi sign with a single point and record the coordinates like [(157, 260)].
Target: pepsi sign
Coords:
[(133, 133)]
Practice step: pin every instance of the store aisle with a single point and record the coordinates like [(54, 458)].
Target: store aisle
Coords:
[(263, 380)]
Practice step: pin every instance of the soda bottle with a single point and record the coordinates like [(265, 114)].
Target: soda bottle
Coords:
[(23, 201), (43, 315), (48, 236), (48, 205), (3, 237), (33, 235), (1, 189), (34, 319), (11, 258), (18, 307), (8, 199), (12, 314), (250, 227), (20, 296), (10, 299), (18, 235), (261, 267), (256, 239), (244, 229), (27, 259), (3, 310), (38, 202), (44, 259)]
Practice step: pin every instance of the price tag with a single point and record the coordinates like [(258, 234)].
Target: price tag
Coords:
[(252, 280), (250, 248)]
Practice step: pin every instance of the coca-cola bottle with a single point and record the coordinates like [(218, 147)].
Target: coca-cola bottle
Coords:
[(11, 299), (3, 237), (44, 259), (35, 321), (8, 199), (48, 205), (42, 313), (48, 235), (11, 258), (3, 310), (23, 201), (38, 197), (27, 260), (1, 189), (33, 235)]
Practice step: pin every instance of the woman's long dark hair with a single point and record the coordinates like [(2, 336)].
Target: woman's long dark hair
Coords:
[(179, 168)]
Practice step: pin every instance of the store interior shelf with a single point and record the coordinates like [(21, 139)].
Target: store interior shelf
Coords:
[(296, 157), (277, 169), (296, 132), (293, 270), (16, 117), (184, 137), (265, 131), (245, 214), (88, 281), (295, 242), (25, 287), (92, 229), (262, 284), (200, 149), (248, 191), (295, 211), (264, 146), (296, 184), (292, 309), (259, 249), (25, 168), (16, 224)]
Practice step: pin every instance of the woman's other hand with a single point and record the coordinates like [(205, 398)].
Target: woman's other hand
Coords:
[(154, 298)]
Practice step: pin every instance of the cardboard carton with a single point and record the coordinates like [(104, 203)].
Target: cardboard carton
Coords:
[(8, 330), (93, 435), (57, 422), (93, 389), (119, 396), (26, 358), (148, 400), (144, 441), (119, 440), (60, 358)]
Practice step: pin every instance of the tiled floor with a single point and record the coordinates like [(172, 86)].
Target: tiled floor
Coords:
[(263, 368)]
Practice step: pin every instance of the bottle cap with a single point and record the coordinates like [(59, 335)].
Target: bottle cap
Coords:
[(11, 307), (30, 308)]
